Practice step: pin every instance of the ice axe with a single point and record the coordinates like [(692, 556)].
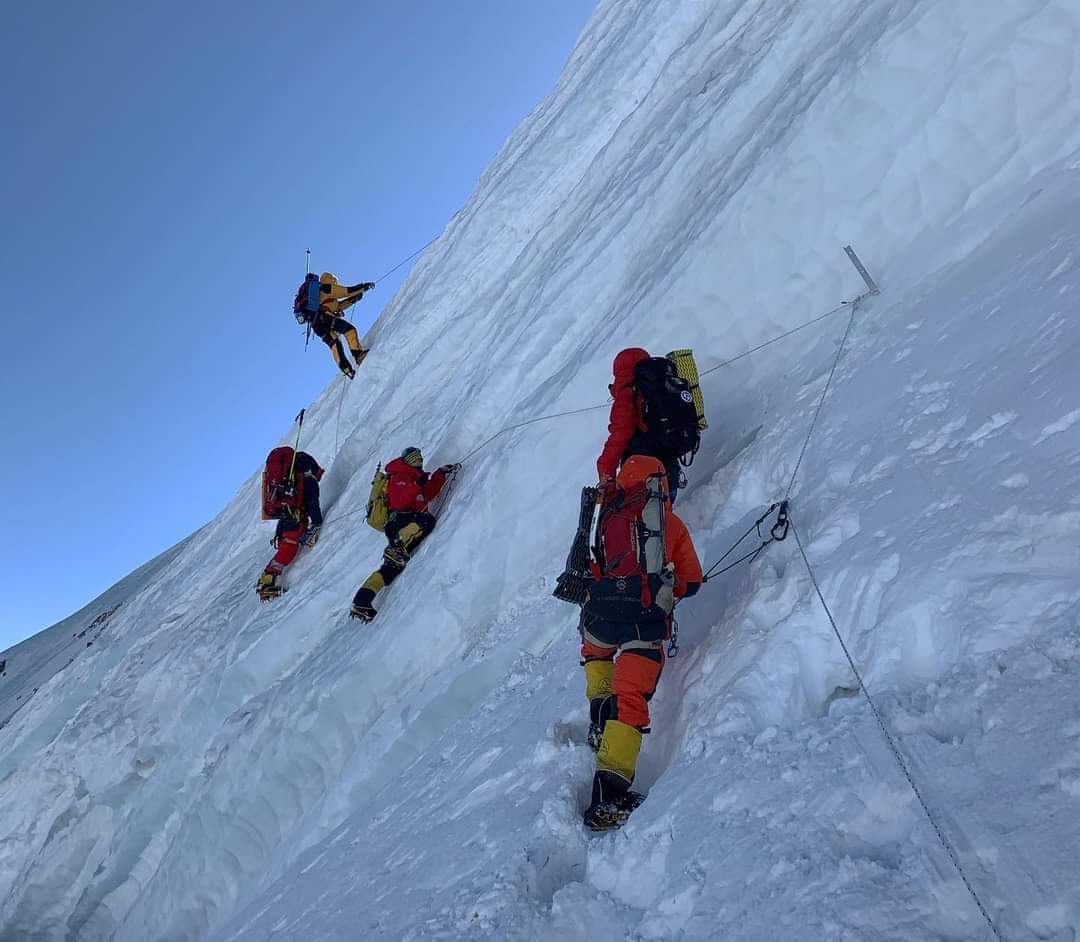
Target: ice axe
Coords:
[(307, 271), (300, 419)]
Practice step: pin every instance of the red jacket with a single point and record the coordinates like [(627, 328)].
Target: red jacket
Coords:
[(411, 488), (625, 420)]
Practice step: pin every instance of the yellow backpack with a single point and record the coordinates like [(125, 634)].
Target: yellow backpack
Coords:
[(686, 368), (378, 511)]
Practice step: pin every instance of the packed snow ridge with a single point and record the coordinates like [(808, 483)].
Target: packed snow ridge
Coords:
[(181, 762)]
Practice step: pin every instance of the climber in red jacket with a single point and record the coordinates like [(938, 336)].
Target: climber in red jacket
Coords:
[(408, 493), (298, 524), (623, 656), (627, 432)]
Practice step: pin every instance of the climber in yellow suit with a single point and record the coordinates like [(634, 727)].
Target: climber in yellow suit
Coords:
[(326, 320)]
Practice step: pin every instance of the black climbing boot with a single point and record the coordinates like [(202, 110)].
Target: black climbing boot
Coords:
[(362, 607), (612, 802)]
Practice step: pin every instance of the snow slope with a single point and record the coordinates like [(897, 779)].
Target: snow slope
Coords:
[(215, 768)]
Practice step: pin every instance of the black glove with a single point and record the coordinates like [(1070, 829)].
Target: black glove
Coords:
[(450, 468), (367, 286)]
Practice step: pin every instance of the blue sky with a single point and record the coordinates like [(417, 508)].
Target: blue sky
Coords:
[(166, 166)]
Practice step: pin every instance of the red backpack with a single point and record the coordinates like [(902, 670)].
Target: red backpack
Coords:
[(282, 490), (628, 555)]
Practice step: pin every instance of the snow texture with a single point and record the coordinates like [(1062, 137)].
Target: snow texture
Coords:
[(182, 762)]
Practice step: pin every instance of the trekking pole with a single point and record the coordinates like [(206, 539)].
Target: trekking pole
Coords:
[(300, 419)]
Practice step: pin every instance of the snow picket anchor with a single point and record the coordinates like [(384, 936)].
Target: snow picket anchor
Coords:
[(872, 288)]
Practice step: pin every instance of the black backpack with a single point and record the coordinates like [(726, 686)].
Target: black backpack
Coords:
[(668, 411)]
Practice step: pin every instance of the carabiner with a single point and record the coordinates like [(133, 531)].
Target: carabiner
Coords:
[(779, 529)]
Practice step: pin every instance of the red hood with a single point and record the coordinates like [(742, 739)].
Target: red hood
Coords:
[(399, 466), (625, 361), (638, 467)]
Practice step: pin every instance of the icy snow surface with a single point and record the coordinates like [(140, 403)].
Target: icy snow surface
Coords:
[(213, 768)]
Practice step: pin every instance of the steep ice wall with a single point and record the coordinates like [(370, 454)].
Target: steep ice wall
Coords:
[(688, 183)]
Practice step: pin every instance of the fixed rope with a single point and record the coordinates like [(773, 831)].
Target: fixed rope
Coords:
[(712, 369), (540, 418), (788, 523), (893, 745), (824, 393), (780, 528), (341, 402), (402, 263), (603, 405), (441, 501), (779, 337), (777, 533), (406, 261)]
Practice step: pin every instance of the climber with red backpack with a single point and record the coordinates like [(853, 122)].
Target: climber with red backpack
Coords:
[(642, 561), (656, 411), (400, 507), (319, 302), (290, 495)]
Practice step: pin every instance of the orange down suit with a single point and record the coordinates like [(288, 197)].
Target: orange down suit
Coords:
[(623, 662)]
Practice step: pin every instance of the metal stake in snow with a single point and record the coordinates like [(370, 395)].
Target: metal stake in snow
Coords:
[(871, 285)]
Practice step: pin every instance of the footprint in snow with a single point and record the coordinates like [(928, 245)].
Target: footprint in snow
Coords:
[(570, 733)]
